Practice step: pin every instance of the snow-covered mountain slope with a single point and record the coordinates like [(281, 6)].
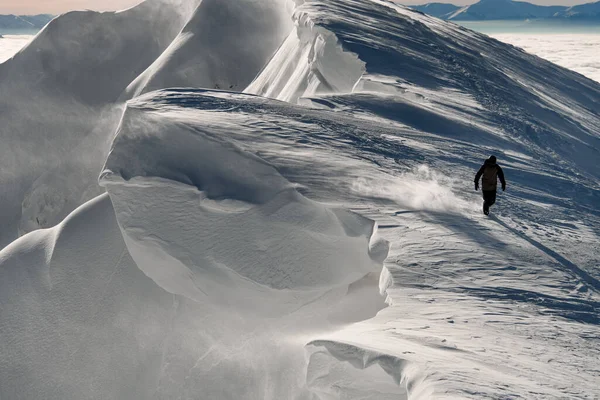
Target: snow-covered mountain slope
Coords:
[(223, 46), (438, 10), (57, 105), (511, 97), (582, 11), (237, 257), (508, 9)]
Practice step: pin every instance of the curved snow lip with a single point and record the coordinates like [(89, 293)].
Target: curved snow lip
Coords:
[(191, 156), (336, 369), (310, 61), (212, 222)]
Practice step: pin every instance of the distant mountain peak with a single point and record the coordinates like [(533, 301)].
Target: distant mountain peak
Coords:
[(509, 9), (16, 22)]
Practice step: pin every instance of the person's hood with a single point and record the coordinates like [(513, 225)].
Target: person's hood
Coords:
[(490, 161)]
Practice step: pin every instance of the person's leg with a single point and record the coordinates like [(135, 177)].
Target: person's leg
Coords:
[(489, 198), (486, 208)]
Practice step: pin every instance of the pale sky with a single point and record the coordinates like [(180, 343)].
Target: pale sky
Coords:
[(29, 7)]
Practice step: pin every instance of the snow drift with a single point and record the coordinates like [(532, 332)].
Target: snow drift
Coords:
[(223, 46), (69, 84), (201, 217), (80, 320), (193, 284), (57, 106)]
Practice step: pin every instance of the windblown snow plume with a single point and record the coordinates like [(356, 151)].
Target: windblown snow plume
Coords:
[(177, 203), (420, 189), (296, 219)]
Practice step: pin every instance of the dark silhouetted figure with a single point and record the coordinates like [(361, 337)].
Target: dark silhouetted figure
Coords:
[(491, 172)]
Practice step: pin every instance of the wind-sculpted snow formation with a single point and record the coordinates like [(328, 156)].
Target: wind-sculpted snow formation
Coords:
[(70, 81), (238, 253), (57, 106), (223, 46), (177, 207)]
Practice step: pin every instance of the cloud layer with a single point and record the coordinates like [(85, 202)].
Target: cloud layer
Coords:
[(578, 52), (11, 44)]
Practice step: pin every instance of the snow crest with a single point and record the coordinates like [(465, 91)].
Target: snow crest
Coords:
[(201, 216), (223, 46), (310, 61), (58, 111), (224, 263)]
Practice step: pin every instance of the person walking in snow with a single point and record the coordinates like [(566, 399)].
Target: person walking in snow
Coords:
[(491, 172)]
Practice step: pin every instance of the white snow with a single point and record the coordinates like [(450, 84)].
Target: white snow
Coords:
[(327, 246), (177, 209), (57, 97), (309, 62), (223, 46)]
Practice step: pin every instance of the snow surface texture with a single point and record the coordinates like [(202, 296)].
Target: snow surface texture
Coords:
[(176, 209), (226, 263)]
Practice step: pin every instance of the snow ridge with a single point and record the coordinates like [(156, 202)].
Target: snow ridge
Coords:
[(238, 253), (57, 99), (217, 185), (310, 61), (223, 46)]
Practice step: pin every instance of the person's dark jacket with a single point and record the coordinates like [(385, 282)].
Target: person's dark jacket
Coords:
[(491, 172)]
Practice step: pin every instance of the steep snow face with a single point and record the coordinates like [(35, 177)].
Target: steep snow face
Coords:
[(70, 82), (418, 57), (57, 106), (223, 46), (178, 201), (309, 62), (80, 320)]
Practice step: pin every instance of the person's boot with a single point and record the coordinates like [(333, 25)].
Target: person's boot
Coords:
[(486, 209)]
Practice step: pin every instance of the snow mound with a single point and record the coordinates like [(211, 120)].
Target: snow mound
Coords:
[(338, 370), (80, 320), (57, 97), (223, 46), (310, 61), (79, 316), (201, 216)]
